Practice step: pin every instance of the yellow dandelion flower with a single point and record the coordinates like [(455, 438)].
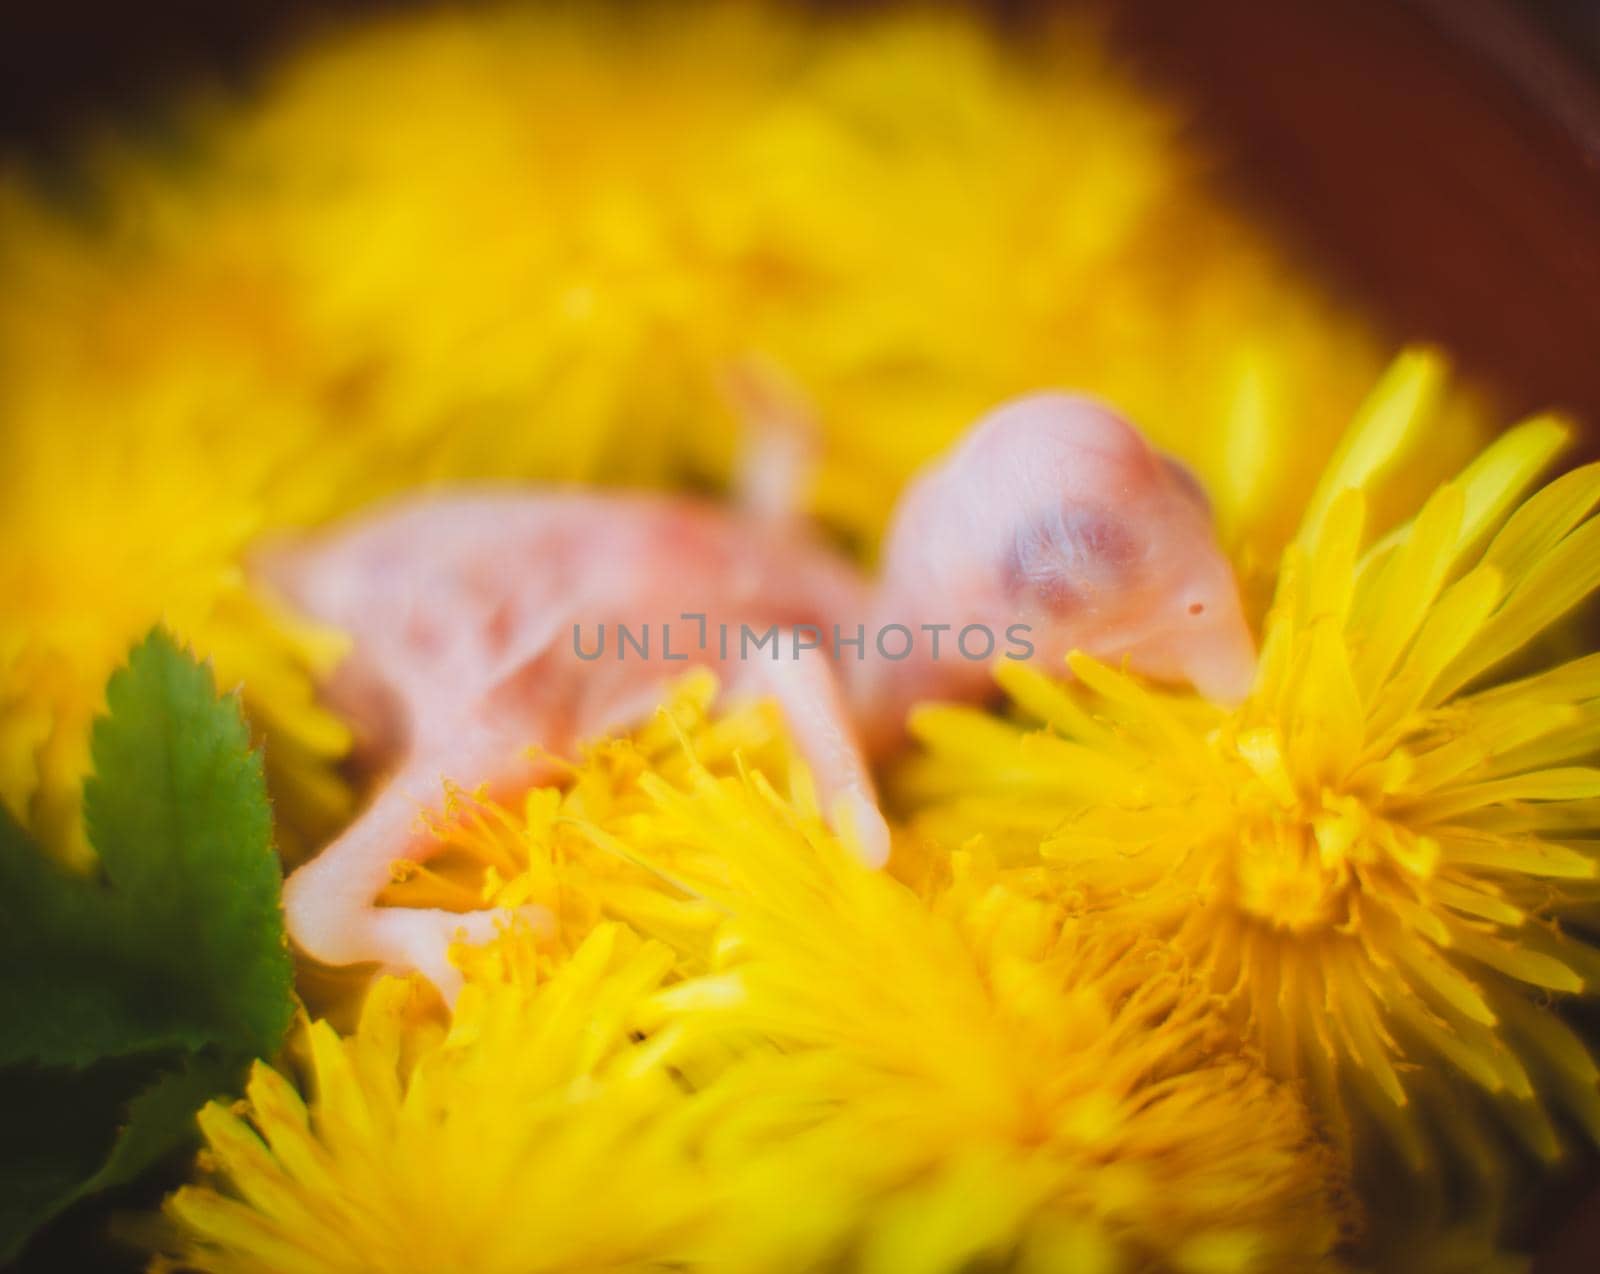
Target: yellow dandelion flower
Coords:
[(534, 1133), (927, 1083), (561, 850), (1372, 855)]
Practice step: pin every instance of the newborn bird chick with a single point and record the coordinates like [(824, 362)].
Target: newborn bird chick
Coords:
[(471, 615), (1054, 513), (475, 619)]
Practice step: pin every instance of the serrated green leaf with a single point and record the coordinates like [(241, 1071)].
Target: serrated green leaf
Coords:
[(130, 996), (69, 994), (161, 1119), (178, 944), (177, 811)]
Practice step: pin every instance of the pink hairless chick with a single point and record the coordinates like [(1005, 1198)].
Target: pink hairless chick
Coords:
[(479, 621)]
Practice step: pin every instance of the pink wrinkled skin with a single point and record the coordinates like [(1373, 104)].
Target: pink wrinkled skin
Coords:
[(1054, 511), (1051, 512)]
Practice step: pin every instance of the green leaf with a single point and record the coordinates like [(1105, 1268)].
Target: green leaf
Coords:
[(73, 1133), (60, 1128), (130, 996), (161, 1119), (177, 810), (69, 993), (179, 943)]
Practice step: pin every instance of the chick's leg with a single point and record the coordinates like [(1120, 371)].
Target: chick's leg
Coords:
[(803, 681), (330, 905)]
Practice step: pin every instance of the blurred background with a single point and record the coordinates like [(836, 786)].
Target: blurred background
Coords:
[(1440, 158)]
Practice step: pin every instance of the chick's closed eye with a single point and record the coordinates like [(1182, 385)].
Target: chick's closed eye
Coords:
[(1064, 557)]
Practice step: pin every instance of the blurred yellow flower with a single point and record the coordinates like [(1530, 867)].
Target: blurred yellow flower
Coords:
[(140, 442), (115, 517), (1371, 857)]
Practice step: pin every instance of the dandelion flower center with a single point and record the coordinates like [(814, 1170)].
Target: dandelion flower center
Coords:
[(1302, 858)]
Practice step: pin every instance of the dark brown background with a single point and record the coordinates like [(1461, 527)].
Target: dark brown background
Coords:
[(1440, 158)]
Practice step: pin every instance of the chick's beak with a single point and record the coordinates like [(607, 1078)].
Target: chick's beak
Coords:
[(1221, 662)]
